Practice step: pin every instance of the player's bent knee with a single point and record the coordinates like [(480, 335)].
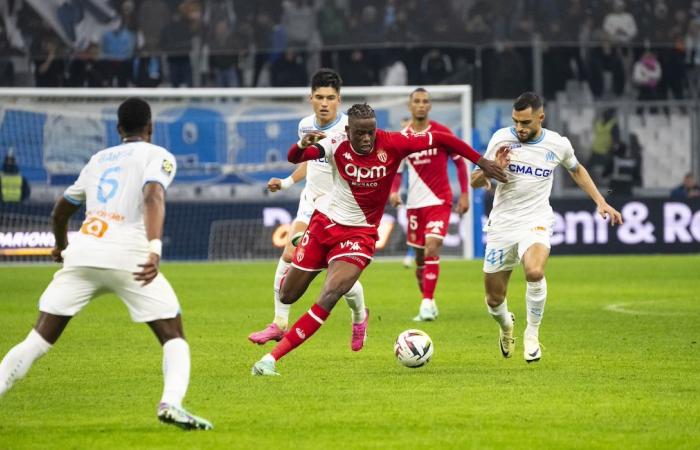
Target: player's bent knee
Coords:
[(532, 275), (494, 300)]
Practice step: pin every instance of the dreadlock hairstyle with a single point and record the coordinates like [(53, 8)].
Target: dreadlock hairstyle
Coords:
[(360, 111)]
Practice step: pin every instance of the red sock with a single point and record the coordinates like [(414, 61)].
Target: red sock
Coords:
[(303, 329), (419, 277), (430, 275)]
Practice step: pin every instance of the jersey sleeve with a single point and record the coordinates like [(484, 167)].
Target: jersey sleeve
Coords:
[(161, 169), (299, 132), (75, 193), (568, 158)]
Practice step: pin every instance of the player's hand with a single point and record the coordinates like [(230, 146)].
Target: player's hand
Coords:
[(394, 199), (503, 156), (492, 170), (274, 185), (149, 270), (606, 211), (462, 204), (56, 254), (311, 138)]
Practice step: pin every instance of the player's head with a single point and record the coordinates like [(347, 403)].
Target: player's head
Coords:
[(419, 104), (528, 115), (361, 127), (325, 95), (135, 118)]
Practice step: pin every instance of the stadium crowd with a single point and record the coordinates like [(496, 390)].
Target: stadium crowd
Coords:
[(653, 45)]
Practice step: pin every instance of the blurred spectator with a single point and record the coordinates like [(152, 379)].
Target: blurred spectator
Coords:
[(117, 52), (356, 71), (396, 73), (84, 69), (688, 189), (646, 75), (288, 71), (332, 23), (14, 187), (299, 22), (48, 64), (147, 70), (508, 73), (692, 46), (153, 16), (176, 42), (435, 66), (223, 55), (605, 70), (623, 169), (605, 129), (619, 24)]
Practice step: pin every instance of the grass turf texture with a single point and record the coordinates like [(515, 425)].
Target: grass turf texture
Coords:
[(607, 379)]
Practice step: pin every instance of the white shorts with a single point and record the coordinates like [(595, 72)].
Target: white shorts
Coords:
[(73, 287), (308, 202), (505, 253)]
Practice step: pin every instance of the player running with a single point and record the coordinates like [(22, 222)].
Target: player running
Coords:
[(342, 239), (520, 222), (429, 201), (117, 250), (325, 99)]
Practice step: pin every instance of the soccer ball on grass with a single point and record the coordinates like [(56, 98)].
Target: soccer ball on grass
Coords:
[(413, 348)]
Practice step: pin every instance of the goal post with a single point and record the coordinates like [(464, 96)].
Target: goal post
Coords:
[(228, 141)]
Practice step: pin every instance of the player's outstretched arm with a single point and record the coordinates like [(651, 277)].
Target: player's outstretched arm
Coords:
[(304, 150), (63, 210), (463, 178), (153, 217), (276, 184), (502, 159), (394, 196), (490, 168), (584, 181)]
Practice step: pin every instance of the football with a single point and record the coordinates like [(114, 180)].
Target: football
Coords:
[(413, 348)]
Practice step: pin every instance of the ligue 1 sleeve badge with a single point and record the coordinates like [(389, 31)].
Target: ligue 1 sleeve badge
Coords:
[(167, 167), (381, 155)]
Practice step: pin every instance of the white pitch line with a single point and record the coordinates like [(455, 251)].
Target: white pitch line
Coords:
[(623, 309)]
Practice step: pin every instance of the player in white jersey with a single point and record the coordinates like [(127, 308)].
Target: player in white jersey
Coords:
[(325, 100), (117, 250), (520, 223)]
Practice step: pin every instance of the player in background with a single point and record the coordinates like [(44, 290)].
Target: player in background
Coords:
[(429, 200), (325, 100), (117, 250), (343, 237), (520, 222)]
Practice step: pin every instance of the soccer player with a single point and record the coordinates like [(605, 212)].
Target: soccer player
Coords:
[(342, 239), (325, 100), (118, 250), (429, 201), (520, 222)]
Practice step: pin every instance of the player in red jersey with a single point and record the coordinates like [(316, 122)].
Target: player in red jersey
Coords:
[(365, 161), (429, 200)]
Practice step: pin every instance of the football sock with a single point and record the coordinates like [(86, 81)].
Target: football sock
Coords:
[(430, 276), (355, 298), (501, 315), (176, 371), (20, 358), (303, 329), (535, 299), (281, 309), (419, 276)]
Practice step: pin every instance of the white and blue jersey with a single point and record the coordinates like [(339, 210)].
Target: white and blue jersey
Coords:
[(113, 235), (319, 175), (523, 202)]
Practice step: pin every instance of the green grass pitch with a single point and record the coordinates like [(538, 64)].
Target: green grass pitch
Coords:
[(620, 367)]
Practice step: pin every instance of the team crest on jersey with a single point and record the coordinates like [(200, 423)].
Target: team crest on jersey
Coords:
[(382, 156), (300, 254), (167, 167), (551, 156)]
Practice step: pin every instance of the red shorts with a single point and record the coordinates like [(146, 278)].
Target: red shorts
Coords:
[(325, 241), (429, 221)]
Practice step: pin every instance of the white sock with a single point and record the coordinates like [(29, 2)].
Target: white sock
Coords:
[(20, 358), (501, 315), (281, 310), (176, 371), (535, 298), (355, 298)]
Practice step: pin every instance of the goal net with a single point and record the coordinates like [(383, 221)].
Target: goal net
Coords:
[(228, 143)]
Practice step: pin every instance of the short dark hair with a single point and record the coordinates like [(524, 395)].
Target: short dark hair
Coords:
[(361, 111), (326, 77), (418, 89), (134, 115), (528, 100)]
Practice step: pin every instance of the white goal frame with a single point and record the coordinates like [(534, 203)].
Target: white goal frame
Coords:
[(463, 92)]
